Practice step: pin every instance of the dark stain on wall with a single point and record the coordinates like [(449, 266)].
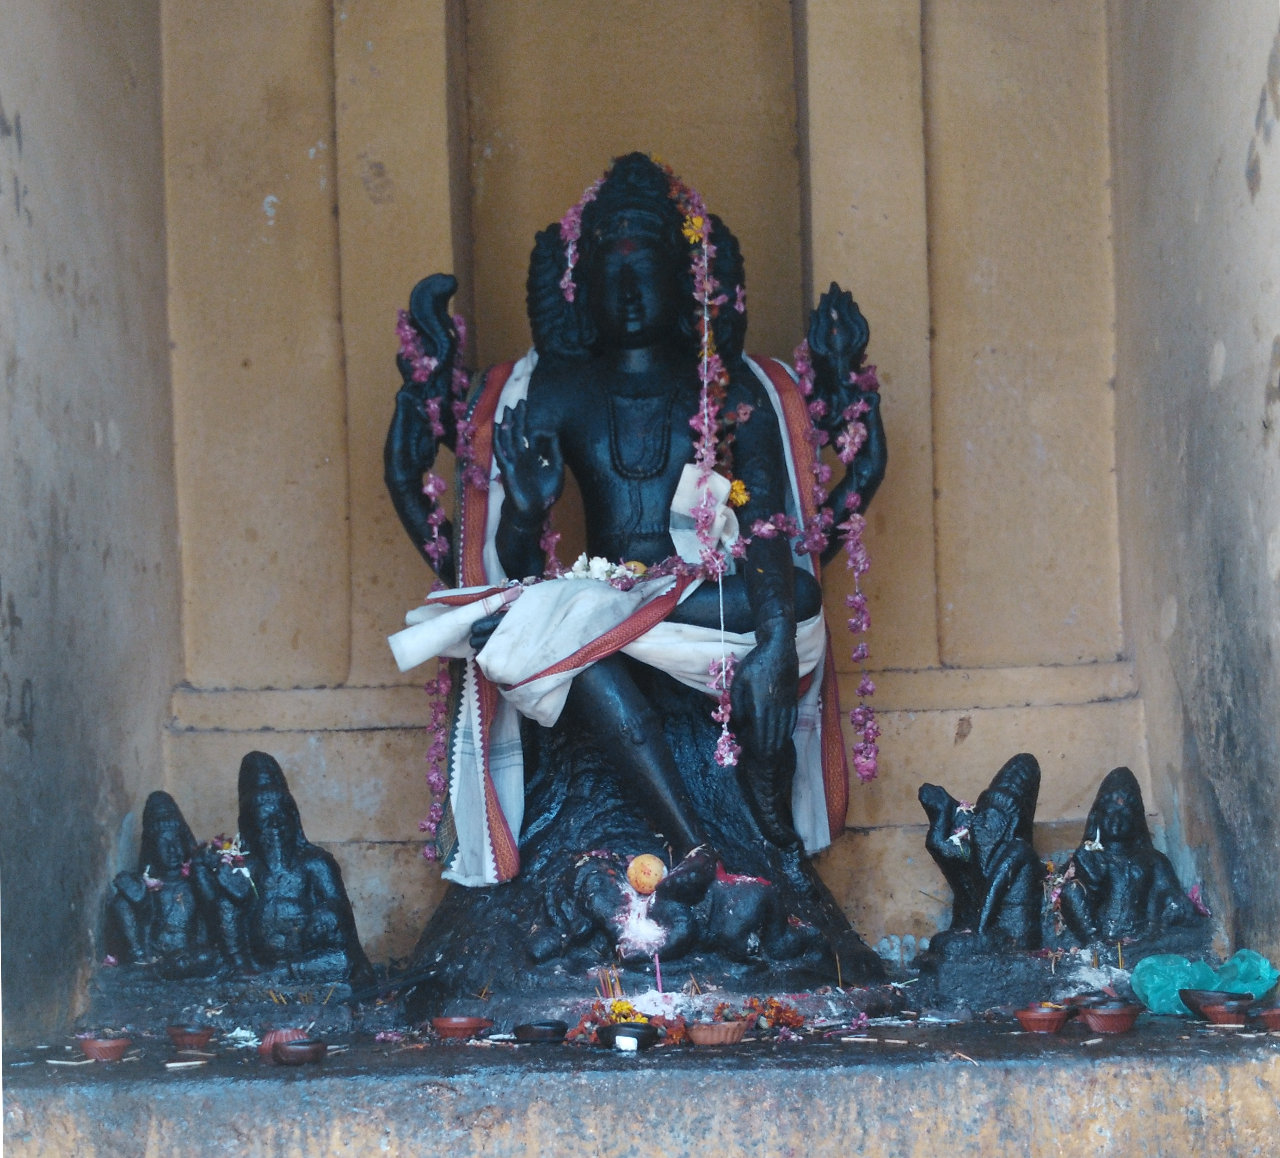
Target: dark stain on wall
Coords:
[(1264, 120), (1253, 170), (1232, 755)]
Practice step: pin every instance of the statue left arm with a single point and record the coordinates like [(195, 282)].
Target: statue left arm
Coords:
[(838, 337), (766, 687)]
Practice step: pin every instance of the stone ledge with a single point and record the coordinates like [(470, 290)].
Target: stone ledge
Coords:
[(405, 706), (1167, 1089)]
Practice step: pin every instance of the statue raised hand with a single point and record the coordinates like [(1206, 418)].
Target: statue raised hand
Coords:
[(424, 418), (838, 337)]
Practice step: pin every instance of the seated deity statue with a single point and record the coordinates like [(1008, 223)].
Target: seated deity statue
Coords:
[(155, 915), (706, 523), (985, 852), (282, 904), (1118, 885)]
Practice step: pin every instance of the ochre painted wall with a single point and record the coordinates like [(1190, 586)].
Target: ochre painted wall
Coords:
[(90, 635)]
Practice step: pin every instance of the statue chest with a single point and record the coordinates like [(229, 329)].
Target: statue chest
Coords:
[(628, 453)]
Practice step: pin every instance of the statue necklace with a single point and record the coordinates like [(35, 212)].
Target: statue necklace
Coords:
[(644, 416)]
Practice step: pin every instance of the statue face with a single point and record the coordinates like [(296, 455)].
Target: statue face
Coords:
[(167, 847), (275, 827), (634, 292), (1117, 819)]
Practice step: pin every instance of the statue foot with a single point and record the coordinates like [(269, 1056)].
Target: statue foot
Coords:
[(689, 880), (545, 944)]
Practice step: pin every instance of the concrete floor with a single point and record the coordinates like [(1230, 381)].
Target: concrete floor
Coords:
[(1167, 1089)]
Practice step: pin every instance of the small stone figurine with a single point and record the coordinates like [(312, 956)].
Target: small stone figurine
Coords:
[(984, 850), (1122, 886), (285, 905), (155, 915)]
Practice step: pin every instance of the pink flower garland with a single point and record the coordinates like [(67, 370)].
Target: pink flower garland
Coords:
[(570, 232), (721, 672), (438, 690), (422, 367), (849, 441), (714, 379)]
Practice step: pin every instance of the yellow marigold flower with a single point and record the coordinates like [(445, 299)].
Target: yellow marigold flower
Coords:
[(693, 225), (620, 1011), (739, 496)]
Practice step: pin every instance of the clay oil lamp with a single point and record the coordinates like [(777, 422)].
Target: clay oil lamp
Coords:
[(541, 1032), (1196, 999), (189, 1037), (1110, 1016), (266, 1048), (628, 1036), (459, 1028), (1268, 1018), (717, 1032), (103, 1049), (1227, 1010), (1043, 1017), (299, 1051)]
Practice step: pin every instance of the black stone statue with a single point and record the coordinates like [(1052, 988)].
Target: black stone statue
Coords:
[(284, 907), (986, 855), (1119, 886), (627, 767), (156, 915)]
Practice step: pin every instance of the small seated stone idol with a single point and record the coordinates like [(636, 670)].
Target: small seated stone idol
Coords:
[(671, 694), (984, 850), (284, 907), (1118, 886), (155, 915)]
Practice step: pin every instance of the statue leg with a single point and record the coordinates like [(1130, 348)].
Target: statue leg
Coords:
[(129, 930), (702, 608), (606, 705)]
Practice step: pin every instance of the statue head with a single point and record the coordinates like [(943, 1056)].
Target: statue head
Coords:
[(630, 227), (1012, 794), (167, 840), (269, 817), (1118, 813)]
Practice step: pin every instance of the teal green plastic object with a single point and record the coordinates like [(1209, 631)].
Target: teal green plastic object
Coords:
[(1247, 972), (1156, 980)]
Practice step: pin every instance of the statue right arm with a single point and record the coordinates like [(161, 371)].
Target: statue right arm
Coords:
[(532, 468), (940, 808), (130, 887), (411, 445)]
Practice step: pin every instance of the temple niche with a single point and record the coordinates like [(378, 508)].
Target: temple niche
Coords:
[(812, 199), (1022, 428), (1059, 220)]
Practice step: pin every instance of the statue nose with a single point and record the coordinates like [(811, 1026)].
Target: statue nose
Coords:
[(629, 285)]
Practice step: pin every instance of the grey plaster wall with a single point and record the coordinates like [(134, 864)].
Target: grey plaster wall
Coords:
[(89, 563), (1196, 100)]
